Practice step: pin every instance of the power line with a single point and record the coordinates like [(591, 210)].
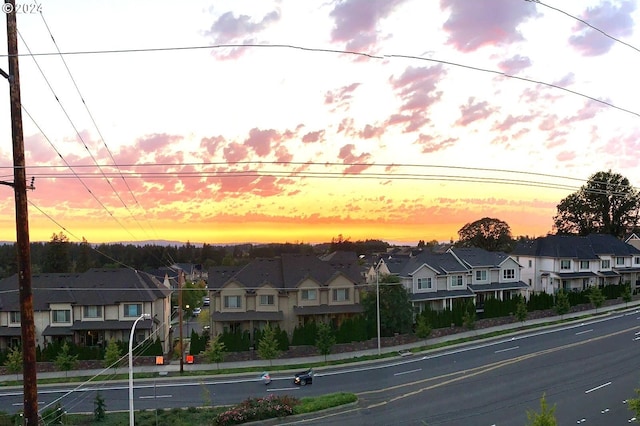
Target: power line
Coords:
[(80, 138), (341, 52), (587, 24)]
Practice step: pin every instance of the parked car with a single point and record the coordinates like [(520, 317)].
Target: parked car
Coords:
[(206, 301), (303, 378), (196, 312)]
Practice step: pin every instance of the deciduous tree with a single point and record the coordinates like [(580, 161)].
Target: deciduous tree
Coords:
[(325, 339), (396, 311), (596, 297), (216, 351), (487, 233), (268, 346), (606, 204), (562, 305)]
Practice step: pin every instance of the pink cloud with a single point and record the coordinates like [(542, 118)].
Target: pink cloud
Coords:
[(511, 121), (615, 21), (211, 145), (474, 111), (229, 28), (430, 144), (156, 142), (356, 163), (312, 137), (515, 64), (566, 156), (417, 89), (356, 22), (260, 140), (474, 24), (235, 152), (371, 132)]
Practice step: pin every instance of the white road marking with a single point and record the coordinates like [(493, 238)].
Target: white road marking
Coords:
[(585, 331), (156, 396), (507, 349), (408, 372), (597, 387), (283, 389)]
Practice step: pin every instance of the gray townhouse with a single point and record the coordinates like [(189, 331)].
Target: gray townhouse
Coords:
[(89, 308), (575, 263), (437, 281)]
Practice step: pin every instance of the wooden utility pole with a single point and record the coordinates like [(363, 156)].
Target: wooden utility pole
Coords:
[(30, 388)]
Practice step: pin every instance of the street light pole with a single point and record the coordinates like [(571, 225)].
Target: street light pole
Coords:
[(378, 302), (133, 328)]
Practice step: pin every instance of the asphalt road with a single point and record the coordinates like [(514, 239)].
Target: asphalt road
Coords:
[(588, 370)]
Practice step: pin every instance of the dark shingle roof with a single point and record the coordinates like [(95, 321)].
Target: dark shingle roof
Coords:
[(575, 247), (285, 272), (442, 263), (94, 287), (475, 257)]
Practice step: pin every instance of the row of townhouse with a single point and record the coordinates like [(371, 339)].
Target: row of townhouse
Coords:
[(575, 263), (437, 281), (285, 291), (89, 308)]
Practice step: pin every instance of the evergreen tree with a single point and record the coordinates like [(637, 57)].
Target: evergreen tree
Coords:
[(57, 254), (596, 297), (268, 345), (521, 310), (626, 294), (325, 339), (99, 408), (546, 416), (215, 351), (423, 328), (562, 305), (112, 354)]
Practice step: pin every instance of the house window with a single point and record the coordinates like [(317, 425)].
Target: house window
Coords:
[(508, 274), (456, 281), (620, 261), (309, 294), (424, 283), (92, 312), (340, 294), (565, 265), (14, 317), (605, 264), (530, 263), (132, 309), (232, 302), (584, 264), (636, 260), (61, 315), (267, 299), (481, 275)]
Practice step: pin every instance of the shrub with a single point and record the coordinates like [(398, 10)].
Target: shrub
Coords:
[(254, 409)]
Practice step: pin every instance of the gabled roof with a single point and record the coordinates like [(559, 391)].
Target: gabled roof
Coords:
[(475, 257), (94, 287), (286, 271), (442, 263), (575, 247)]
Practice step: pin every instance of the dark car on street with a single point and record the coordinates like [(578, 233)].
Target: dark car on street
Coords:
[(303, 378)]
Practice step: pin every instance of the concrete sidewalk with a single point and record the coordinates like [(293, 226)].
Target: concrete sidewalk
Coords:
[(173, 369)]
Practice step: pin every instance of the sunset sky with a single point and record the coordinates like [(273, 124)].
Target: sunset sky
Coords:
[(234, 121)]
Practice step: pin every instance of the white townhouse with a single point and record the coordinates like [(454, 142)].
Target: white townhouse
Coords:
[(575, 263)]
